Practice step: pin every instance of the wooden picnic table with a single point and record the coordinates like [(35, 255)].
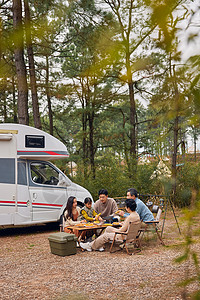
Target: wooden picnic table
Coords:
[(82, 228)]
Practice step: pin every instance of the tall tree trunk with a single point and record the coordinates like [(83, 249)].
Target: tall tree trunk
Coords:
[(174, 154), (195, 145), (91, 127), (132, 121), (84, 103), (36, 113), (14, 101), (133, 161), (3, 80), (84, 140), (49, 96), (176, 131), (3, 96), (20, 63), (126, 39), (133, 133), (126, 150)]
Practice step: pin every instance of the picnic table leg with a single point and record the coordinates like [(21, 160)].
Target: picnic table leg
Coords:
[(80, 236)]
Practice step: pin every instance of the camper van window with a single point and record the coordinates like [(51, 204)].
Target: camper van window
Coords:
[(34, 141), (43, 173)]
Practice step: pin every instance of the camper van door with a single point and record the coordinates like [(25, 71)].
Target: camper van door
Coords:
[(8, 184), (47, 195)]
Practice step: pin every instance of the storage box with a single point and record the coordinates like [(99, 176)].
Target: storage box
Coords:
[(62, 243)]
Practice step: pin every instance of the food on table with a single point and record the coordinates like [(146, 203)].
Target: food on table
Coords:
[(116, 223)]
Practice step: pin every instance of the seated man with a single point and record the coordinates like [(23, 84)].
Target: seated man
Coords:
[(109, 233), (104, 205), (142, 210)]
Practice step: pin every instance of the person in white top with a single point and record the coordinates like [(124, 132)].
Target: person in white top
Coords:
[(71, 212)]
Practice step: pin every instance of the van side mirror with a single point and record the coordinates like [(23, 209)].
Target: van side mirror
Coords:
[(63, 181)]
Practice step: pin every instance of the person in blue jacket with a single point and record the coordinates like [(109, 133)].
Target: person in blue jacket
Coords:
[(142, 210)]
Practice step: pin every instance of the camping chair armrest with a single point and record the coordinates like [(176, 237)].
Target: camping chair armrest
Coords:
[(121, 233), (151, 222)]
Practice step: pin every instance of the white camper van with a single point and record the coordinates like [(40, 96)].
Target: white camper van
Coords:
[(32, 190)]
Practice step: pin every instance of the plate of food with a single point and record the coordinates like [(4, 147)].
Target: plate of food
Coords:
[(96, 222), (82, 226), (89, 224)]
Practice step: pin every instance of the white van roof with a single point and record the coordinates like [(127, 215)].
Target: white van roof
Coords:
[(33, 143)]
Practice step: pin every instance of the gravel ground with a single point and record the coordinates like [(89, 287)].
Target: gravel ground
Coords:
[(30, 271)]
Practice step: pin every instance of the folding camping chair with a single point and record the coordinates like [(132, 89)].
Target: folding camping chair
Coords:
[(154, 224), (131, 237)]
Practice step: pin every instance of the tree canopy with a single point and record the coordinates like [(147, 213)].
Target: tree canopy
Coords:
[(107, 78)]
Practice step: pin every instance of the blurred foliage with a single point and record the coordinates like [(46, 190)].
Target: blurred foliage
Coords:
[(190, 256), (188, 178)]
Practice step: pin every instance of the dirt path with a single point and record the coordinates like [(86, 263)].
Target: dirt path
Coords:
[(30, 271)]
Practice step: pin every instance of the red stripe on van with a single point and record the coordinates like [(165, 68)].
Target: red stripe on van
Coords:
[(47, 204), (13, 202), (20, 202), (44, 152), (53, 153)]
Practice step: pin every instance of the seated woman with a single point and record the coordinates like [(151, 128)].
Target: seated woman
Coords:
[(108, 235), (71, 214), (88, 213)]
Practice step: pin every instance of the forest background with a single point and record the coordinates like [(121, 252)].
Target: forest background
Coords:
[(108, 78)]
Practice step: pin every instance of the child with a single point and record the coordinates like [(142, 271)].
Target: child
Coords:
[(88, 213)]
